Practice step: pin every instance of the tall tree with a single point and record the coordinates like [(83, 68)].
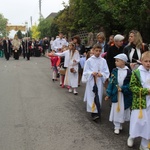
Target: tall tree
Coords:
[(111, 15), (44, 27)]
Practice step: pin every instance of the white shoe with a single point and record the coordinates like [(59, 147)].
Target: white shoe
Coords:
[(70, 90), (116, 131), (130, 142), (143, 148), (75, 92)]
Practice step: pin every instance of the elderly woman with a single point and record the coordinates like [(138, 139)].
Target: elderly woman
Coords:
[(101, 40), (134, 49), (16, 45)]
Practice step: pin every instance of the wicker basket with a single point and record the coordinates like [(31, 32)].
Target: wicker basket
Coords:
[(62, 71)]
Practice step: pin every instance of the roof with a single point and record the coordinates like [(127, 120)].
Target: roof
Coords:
[(52, 15)]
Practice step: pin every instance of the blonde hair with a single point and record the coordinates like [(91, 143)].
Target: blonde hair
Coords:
[(102, 35), (73, 50), (145, 55), (137, 38)]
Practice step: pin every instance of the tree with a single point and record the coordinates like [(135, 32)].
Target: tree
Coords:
[(112, 16), (127, 15), (44, 27), (19, 34), (35, 32), (3, 23)]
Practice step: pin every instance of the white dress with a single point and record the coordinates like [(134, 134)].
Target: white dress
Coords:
[(123, 115), (94, 64), (141, 127), (71, 79)]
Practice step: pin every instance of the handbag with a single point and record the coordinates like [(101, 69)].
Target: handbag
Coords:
[(62, 71), (72, 70)]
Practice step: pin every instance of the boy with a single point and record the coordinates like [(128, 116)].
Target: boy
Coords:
[(119, 92), (95, 67), (140, 115)]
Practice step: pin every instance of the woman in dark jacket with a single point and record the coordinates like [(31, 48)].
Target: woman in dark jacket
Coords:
[(134, 49)]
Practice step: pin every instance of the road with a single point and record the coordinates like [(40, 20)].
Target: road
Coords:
[(37, 114)]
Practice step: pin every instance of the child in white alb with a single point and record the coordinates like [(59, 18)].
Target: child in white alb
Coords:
[(140, 115), (119, 93)]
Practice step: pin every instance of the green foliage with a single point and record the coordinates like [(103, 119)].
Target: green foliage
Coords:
[(113, 16), (3, 23), (35, 32), (44, 27), (19, 34)]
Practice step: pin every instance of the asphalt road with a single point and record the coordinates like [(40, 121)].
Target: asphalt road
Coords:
[(37, 114)]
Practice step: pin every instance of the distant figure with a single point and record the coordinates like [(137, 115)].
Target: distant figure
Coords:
[(45, 45), (16, 45), (7, 47), (51, 44), (111, 40)]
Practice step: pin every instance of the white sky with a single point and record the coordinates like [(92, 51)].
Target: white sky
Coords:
[(20, 11)]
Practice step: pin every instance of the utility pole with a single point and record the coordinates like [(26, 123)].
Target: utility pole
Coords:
[(31, 20), (40, 13)]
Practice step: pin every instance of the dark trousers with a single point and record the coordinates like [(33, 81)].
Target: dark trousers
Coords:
[(28, 55), (16, 54), (7, 55)]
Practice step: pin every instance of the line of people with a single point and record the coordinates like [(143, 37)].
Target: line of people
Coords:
[(17, 47), (125, 72)]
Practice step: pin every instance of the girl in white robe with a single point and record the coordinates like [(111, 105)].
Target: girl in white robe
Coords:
[(72, 58), (94, 66)]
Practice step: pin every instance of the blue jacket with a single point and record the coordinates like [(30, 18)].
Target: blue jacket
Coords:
[(112, 90)]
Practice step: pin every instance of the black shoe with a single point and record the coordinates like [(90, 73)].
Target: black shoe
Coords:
[(58, 75), (94, 116), (53, 80)]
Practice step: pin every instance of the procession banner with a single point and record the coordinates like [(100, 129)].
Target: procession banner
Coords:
[(16, 28)]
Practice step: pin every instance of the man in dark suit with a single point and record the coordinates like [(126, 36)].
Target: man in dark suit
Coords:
[(7, 47)]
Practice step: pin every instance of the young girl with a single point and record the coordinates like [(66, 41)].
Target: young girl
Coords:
[(72, 59), (95, 68), (119, 92), (140, 115), (62, 69), (54, 60)]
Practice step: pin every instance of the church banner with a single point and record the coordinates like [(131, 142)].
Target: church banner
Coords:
[(16, 28)]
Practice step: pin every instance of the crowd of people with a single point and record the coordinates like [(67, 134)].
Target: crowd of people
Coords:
[(123, 69), (25, 47)]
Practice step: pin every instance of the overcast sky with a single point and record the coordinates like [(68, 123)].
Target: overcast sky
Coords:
[(20, 11)]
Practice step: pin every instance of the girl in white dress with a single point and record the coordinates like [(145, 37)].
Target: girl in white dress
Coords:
[(72, 58)]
